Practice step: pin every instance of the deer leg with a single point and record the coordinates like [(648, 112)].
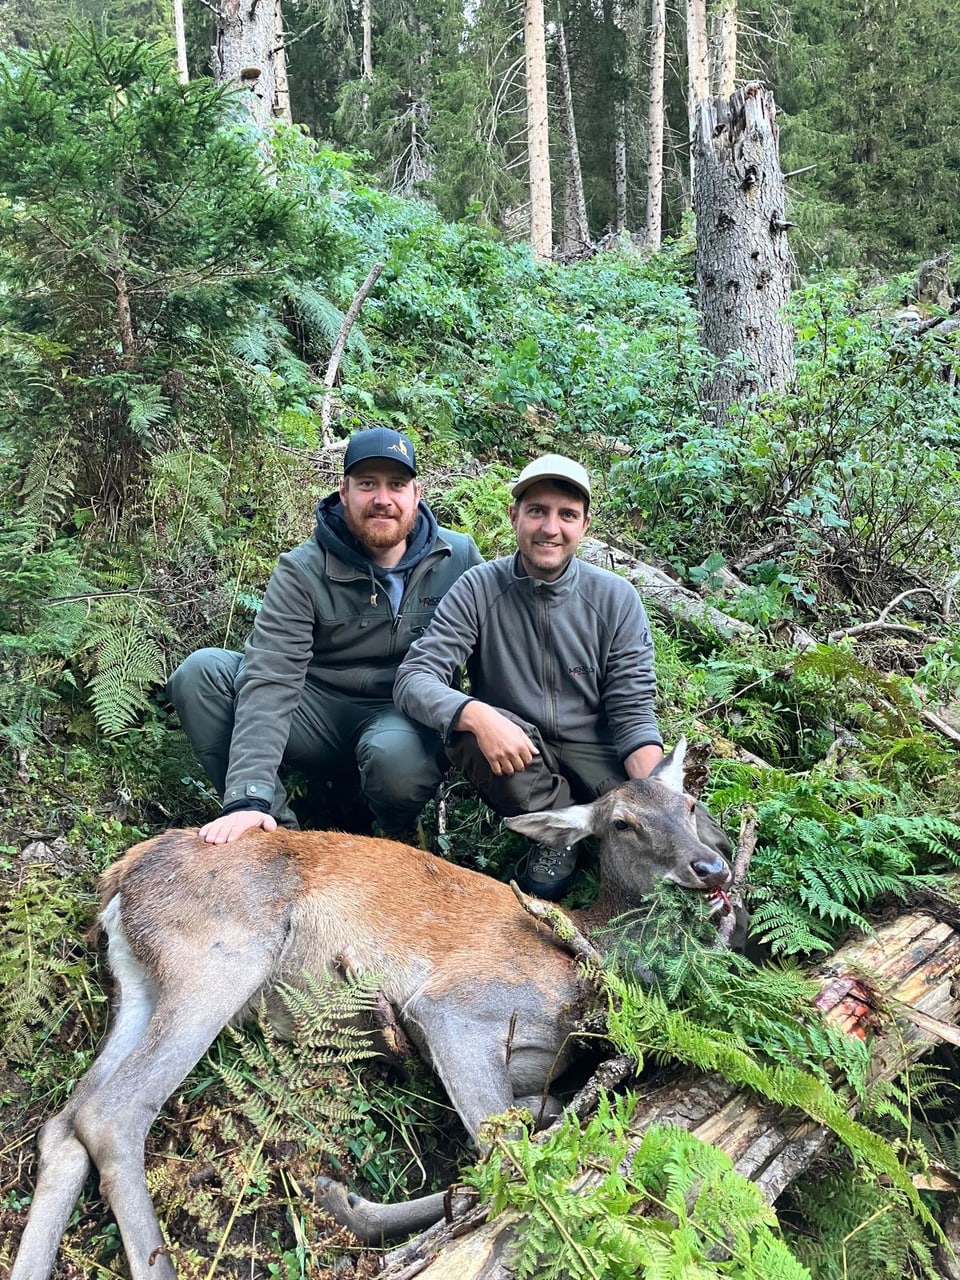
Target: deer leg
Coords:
[(472, 1067), (113, 1123), (63, 1159), (374, 1223)]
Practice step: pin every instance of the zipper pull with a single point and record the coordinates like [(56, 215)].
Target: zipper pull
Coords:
[(396, 624)]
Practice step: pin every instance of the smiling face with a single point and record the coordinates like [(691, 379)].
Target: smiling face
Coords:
[(549, 521), (380, 507)]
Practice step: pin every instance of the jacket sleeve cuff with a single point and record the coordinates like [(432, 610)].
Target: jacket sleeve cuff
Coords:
[(261, 806), (255, 794), (646, 742), (454, 719)]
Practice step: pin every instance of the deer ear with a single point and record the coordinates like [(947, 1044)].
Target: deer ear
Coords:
[(670, 769), (555, 828)]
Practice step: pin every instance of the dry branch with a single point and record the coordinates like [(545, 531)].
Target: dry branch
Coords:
[(336, 355)]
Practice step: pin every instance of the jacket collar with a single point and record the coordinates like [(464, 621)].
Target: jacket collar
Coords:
[(340, 570), (553, 591)]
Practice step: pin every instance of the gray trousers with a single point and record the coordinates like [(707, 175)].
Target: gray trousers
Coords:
[(564, 773), (396, 763)]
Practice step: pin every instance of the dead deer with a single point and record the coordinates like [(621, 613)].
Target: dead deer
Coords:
[(198, 933)]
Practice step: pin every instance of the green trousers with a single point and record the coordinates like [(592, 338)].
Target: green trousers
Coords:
[(395, 764)]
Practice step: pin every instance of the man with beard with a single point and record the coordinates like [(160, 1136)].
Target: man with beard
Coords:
[(313, 687)]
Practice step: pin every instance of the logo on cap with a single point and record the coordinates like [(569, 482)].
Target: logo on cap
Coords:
[(401, 447)]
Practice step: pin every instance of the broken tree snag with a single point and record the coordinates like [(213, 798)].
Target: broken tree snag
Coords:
[(870, 987), (743, 260), (340, 345)]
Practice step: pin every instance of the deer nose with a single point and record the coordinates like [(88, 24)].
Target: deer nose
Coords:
[(713, 873)]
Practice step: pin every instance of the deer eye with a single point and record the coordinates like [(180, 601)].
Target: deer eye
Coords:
[(620, 825)]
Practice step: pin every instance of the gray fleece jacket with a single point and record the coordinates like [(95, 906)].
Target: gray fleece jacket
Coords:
[(574, 657)]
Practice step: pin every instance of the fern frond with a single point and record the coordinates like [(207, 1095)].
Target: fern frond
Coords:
[(186, 500)]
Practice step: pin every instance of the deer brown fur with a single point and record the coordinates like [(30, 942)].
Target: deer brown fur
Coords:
[(198, 933)]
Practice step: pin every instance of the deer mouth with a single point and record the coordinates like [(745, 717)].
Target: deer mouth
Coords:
[(719, 900)]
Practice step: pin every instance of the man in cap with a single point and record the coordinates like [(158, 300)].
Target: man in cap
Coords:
[(560, 663), (312, 688)]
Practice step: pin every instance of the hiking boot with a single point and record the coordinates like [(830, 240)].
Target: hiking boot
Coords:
[(548, 872)]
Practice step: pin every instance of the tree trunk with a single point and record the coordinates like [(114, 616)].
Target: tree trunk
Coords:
[(698, 70), (576, 232), (245, 53), (538, 134), (366, 49), (743, 261), (723, 48), (653, 233), (180, 41), (619, 130), (912, 961), (282, 105)]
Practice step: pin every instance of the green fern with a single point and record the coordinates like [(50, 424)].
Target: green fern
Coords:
[(478, 506), (827, 848), (854, 1229), (128, 660), (323, 321), (664, 1205), (186, 503), (46, 492), (43, 969)]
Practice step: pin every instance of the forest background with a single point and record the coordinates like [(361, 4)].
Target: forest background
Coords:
[(173, 280)]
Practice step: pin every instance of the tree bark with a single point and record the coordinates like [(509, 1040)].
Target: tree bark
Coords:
[(366, 48), (698, 70), (180, 42), (619, 132), (743, 261), (653, 232), (538, 133), (912, 962), (576, 232), (245, 52), (723, 48), (281, 107)]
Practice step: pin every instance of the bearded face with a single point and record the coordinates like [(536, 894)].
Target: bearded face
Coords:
[(380, 501)]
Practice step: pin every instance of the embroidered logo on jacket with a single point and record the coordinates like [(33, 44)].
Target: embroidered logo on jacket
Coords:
[(581, 670), (430, 602)]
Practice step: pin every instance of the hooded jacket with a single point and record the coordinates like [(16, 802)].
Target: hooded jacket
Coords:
[(327, 620)]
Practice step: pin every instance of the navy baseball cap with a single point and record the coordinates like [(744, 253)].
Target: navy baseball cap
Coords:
[(379, 442)]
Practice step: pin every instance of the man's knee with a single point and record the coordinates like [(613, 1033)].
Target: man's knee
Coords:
[(203, 674), (400, 769), (530, 790)]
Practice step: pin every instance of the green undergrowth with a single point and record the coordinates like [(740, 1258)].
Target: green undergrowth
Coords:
[(150, 475), (601, 1203)]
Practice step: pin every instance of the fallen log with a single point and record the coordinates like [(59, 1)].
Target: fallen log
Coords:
[(871, 987), (661, 593), (685, 608)]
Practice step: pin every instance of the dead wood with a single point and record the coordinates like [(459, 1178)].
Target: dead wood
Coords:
[(662, 594), (566, 931), (687, 610), (867, 987), (746, 844), (339, 346)]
